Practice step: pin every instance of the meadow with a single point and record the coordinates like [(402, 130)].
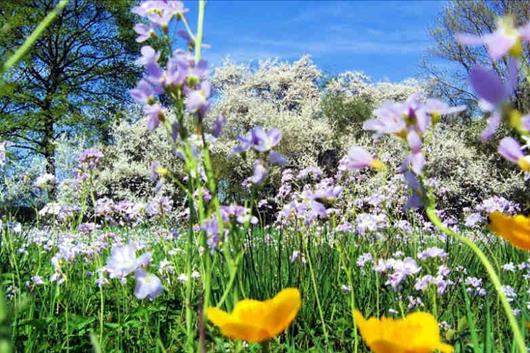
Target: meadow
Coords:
[(239, 240)]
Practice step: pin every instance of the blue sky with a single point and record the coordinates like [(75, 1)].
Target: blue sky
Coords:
[(385, 39)]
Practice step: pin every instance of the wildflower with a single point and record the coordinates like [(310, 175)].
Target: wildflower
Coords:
[(145, 93), (505, 40), (89, 159), (148, 285), (475, 286), (144, 32), (515, 229), (432, 253), (260, 173), (160, 13), (258, 139), (218, 125), (363, 259), (123, 260), (359, 158), (156, 115), (510, 149), (416, 333), (197, 100), (149, 55), (258, 321), (493, 92)]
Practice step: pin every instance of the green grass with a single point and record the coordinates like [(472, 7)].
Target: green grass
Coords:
[(77, 316)]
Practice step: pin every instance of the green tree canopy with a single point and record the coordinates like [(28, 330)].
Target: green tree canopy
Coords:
[(75, 77)]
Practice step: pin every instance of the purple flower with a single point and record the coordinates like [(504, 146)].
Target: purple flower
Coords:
[(144, 92), (510, 149), (264, 141), (155, 114), (364, 259), (218, 126), (89, 159), (258, 139), (277, 158), (504, 40), (260, 173), (149, 55), (389, 119), (197, 100), (433, 252), (316, 172), (148, 285), (123, 261), (490, 87), (160, 12), (144, 32), (359, 158)]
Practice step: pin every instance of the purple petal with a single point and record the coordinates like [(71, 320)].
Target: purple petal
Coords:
[(493, 124), (487, 84), (414, 141), (468, 39), (510, 149), (498, 44), (277, 158)]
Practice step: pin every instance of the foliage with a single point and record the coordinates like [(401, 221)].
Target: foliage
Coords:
[(78, 71)]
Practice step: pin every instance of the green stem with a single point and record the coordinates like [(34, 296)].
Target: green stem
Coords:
[(314, 282), (200, 25), (518, 337), (28, 43)]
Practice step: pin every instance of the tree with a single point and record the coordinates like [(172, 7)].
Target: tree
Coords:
[(75, 77), (449, 63)]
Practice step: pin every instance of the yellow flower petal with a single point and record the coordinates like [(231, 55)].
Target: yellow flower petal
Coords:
[(258, 321), (416, 333), (284, 307), (515, 229)]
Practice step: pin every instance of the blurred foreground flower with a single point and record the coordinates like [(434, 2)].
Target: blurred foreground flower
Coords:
[(515, 229), (416, 333), (505, 40), (258, 321)]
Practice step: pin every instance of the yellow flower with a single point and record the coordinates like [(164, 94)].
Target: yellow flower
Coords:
[(416, 333), (258, 321), (515, 229)]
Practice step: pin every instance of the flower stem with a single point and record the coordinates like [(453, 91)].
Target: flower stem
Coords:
[(518, 337), (28, 43)]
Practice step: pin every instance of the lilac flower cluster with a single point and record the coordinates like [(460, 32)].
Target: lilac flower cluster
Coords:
[(401, 270), (478, 215), (182, 77), (232, 214), (312, 203), (123, 212), (88, 161), (262, 142)]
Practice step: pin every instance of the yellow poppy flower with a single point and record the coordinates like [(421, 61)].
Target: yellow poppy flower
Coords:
[(515, 229), (258, 321), (416, 333)]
